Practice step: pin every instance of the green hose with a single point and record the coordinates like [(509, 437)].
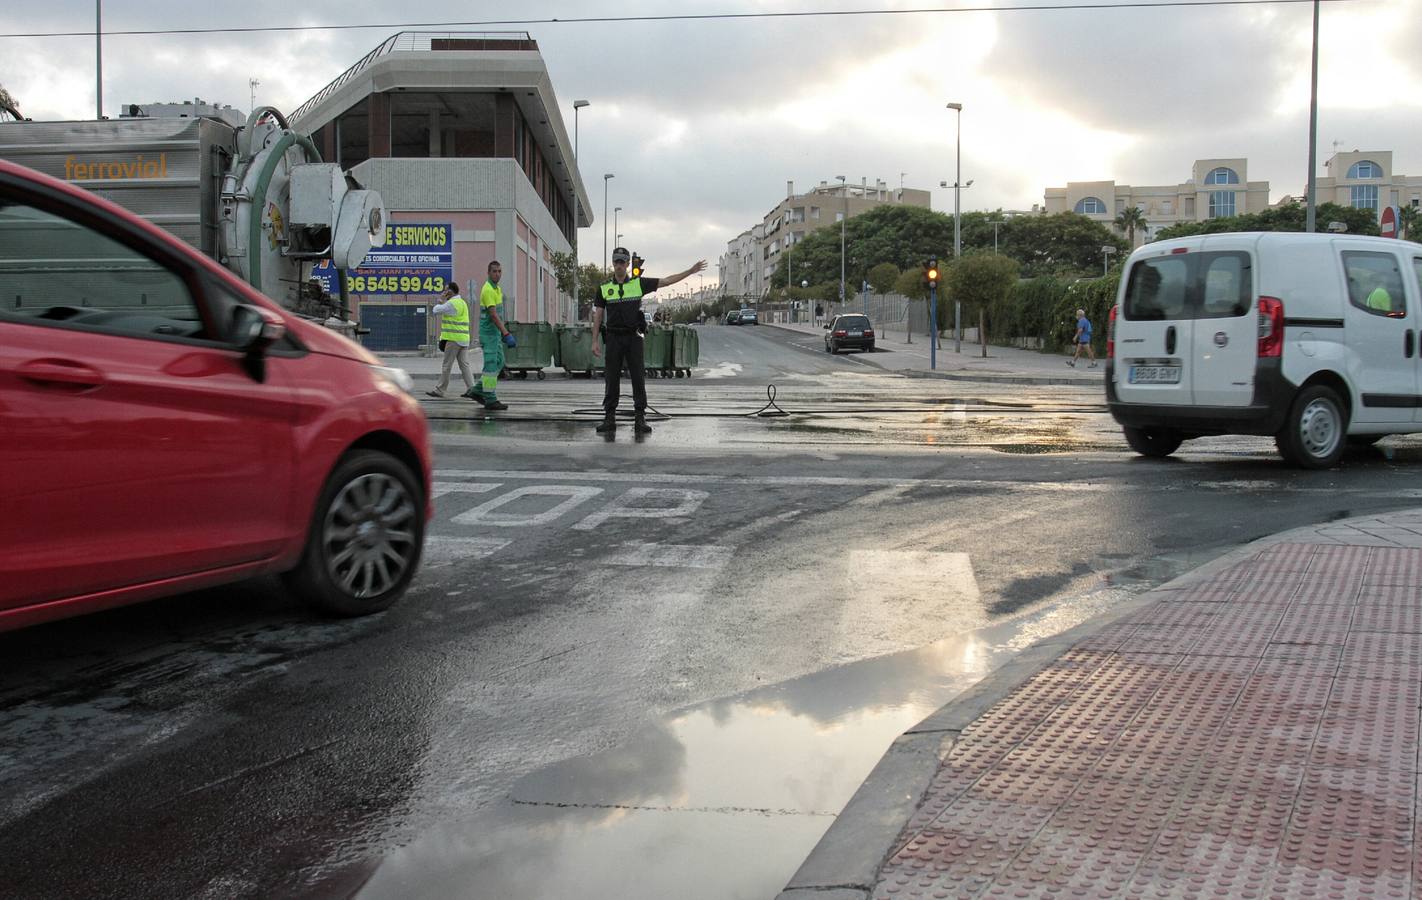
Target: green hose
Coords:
[(264, 180)]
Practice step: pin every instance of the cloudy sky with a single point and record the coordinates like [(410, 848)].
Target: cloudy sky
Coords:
[(703, 122)]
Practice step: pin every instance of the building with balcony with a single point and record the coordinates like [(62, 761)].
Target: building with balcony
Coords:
[(462, 130), (751, 259)]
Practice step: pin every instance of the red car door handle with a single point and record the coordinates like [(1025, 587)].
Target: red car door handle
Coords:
[(61, 371)]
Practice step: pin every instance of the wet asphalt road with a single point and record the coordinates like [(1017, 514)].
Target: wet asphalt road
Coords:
[(615, 650)]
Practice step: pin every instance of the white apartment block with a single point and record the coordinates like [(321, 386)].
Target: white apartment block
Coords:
[(1217, 187), (751, 258), (1220, 187)]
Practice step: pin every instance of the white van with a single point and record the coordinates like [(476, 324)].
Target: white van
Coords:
[(1311, 338)]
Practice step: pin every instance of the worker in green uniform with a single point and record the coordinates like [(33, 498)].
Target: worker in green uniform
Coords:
[(619, 305), (493, 337)]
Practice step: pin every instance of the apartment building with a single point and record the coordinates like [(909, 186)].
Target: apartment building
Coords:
[(1216, 187), (751, 258), (462, 131), (1221, 187)]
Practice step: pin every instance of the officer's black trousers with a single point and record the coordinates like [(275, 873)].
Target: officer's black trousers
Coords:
[(624, 349)]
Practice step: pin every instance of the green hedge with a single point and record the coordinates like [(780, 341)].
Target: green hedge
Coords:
[(1045, 308)]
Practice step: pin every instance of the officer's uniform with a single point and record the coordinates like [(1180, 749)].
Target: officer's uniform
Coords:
[(623, 327)]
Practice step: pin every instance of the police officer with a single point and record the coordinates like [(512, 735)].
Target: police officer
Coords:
[(619, 305)]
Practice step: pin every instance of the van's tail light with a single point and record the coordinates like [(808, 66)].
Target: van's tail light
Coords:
[(1111, 334), (1271, 327)]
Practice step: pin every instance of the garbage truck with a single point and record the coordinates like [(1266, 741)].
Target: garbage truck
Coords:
[(255, 196)]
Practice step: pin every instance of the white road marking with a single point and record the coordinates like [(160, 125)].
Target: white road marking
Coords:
[(484, 513), (440, 488), (688, 556), (773, 480), (441, 551), (623, 507)]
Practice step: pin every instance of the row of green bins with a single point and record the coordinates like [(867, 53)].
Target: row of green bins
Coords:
[(575, 349), (534, 350), (686, 350), (657, 351)]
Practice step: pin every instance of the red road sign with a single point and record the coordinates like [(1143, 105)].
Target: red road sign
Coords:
[(1388, 226)]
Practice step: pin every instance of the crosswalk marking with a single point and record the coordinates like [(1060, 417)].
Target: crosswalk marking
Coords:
[(443, 551), (440, 488)]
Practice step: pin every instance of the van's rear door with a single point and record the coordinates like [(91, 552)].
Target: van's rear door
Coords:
[(1381, 337), (1226, 334), (1155, 332)]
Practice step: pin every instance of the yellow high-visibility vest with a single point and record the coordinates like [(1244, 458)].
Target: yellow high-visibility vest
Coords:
[(455, 326)]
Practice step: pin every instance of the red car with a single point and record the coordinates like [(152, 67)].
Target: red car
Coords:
[(165, 427)]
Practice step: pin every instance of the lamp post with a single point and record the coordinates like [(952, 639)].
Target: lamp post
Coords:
[(995, 223), (577, 263), (605, 179), (615, 211), (844, 191), (1310, 211), (957, 226)]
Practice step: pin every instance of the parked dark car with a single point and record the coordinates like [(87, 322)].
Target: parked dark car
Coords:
[(849, 331), (732, 318)]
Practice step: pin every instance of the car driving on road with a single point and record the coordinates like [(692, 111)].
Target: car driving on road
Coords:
[(167, 427), (849, 331)]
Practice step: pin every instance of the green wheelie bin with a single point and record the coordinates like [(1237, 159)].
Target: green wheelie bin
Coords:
[(527, 356), (575, 350), (657, 351), (686, 350)]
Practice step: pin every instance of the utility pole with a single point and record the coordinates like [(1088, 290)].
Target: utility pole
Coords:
[(252, 87), (1311, 214), (98, 59)]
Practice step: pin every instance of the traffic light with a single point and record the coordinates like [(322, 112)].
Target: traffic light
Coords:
[(930, 272), (636, 266)]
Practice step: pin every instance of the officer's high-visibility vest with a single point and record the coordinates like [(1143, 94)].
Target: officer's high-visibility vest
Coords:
[(631, 289), (455, 326)]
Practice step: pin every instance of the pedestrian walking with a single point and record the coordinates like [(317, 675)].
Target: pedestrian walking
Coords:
[(1082, 339), (494, 336), (453, 337), (619, 306)]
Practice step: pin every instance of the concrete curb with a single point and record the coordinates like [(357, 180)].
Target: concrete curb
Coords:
[(845, 864)]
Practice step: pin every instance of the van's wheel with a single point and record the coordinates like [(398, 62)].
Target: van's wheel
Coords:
[(1313, 434), (1156, 443), (365, 537)]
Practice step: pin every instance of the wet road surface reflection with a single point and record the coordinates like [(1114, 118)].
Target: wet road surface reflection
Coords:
[(722, 800)]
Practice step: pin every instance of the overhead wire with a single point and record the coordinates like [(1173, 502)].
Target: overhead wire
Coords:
[(679, 17)]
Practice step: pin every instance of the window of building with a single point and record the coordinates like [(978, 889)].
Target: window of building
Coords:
[(1167, 207), (1221, 204), (814, 212), (1090, 206), (1365, 169), (1222, 175), (1120, 204), (1365, 196)]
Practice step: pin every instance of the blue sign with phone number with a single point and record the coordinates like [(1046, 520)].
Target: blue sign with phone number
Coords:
[(418, 258)]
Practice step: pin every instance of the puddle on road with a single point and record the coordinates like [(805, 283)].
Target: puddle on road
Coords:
[(721, 800)]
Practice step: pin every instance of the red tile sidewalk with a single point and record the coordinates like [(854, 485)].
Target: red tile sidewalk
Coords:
[(1252, 734)]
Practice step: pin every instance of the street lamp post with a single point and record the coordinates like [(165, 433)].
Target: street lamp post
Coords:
[(577, 264), (957, 227), (844, 191), (615, 211), (995, 223), (605, 179)]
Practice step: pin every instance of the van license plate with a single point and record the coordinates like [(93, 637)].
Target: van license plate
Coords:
[(1154, 375)]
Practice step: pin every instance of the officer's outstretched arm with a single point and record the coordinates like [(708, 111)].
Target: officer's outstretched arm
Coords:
[(673, 279)]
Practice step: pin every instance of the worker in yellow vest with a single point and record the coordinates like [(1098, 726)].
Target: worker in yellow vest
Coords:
[(453, 337), (494, 336)]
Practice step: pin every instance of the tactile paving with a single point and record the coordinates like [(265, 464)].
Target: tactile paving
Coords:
[(1254, 734)]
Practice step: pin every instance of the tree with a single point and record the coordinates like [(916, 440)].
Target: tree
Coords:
[(883, 277), (1287, 217), (8, 106), (589, 277), (1060, 244), (901, 235), (1129, 220), (981, 280)]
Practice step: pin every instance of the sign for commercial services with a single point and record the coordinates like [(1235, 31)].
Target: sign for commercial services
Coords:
[(416, 259)]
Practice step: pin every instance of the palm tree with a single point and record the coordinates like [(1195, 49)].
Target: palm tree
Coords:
[(1129, 220), (1408, 223)]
